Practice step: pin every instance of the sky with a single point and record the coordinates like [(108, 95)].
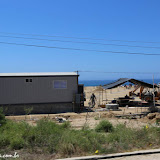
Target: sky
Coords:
[(124, 20)]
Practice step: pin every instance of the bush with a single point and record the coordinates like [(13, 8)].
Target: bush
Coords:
[(61, 139), (80, 142), (66, 125), (17, 143), (104, 126), (122, 138), (96, 118), (4, 141)]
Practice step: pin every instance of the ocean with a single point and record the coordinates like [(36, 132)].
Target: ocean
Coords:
[(103, 82)]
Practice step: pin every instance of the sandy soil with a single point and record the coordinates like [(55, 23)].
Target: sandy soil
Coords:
[(92, 118), (107, 95)]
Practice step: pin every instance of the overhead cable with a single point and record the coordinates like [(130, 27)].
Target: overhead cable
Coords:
[(79, 49), (93, 43), (85, 38)]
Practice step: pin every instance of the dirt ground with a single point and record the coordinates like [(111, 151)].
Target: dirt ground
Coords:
[(92, 118), (106, 96)]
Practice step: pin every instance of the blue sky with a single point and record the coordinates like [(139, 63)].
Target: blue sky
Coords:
[(136, 20)]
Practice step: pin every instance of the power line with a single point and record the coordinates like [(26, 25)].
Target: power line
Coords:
[(85, 38), (93, 43), (78, 49), (121, 72)]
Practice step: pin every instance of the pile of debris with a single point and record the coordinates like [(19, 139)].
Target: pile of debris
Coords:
[(152, 118), (108, 115), (61, 119)]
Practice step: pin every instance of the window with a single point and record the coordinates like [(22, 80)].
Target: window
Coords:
[(60, 84), (28, 80)]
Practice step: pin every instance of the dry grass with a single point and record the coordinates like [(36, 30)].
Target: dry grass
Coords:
[(53, 140)]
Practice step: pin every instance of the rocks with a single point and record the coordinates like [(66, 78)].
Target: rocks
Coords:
[(151, 115)]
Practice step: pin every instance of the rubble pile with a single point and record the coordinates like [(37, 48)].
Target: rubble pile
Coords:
[(152, 118)]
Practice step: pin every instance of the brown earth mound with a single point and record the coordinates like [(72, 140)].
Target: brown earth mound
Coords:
[(152, 118)]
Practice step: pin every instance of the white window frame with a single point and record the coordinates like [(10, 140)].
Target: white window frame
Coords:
[(59, 80)]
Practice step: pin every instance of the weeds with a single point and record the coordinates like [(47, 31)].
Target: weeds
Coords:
[(96, 118), (104, 126), (61, 139)]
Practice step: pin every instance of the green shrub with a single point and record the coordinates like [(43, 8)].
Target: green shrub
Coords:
[(122, 138), (96, 118), (17, 143), (4, 141), (66, 125), (104, 126), (85, 127), (80, 141), (61, 139)]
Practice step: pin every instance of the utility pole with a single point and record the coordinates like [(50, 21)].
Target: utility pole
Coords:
[(153, 92), (77, 76)]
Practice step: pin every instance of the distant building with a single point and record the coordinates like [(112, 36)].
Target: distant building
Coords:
[(44, 92)]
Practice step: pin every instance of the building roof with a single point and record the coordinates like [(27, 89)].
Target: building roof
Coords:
[(116, 83), (124, 80), (39, 74)]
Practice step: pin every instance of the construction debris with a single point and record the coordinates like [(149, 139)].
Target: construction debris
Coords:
[(152, 118), (151, 115), (60, 119)]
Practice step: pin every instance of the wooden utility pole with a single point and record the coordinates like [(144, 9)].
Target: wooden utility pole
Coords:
[(77, 77), (153, 92)]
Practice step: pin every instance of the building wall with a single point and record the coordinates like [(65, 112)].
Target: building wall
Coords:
[(21, 109), (15, 90)]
